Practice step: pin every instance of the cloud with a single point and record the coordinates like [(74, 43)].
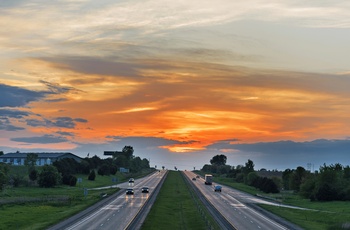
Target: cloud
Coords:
[(66, 133), (81, 120), (55, 88), (7, 115), (98, 66), (7, 126), (285, 154), (12, 96), (13, 113), (143, 142), (45, 139), (287, 147), (61, 122)]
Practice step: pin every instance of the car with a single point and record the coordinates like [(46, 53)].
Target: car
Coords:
[(197, 176), (194, 178), (129, 191), (217, 188), (131, 180), (145, 190)]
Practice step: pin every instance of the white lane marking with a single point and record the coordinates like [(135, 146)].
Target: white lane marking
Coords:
[(112, 207)]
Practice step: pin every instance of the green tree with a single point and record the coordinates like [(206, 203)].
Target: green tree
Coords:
[(104, 170), (49, 176), (145, 163), (136, 164), (252, 176), (128, 152), (297, 178), (122, 161), (286, 175), (249, 167), (218, 160), (84, 167), (31, 159), (1, 153)]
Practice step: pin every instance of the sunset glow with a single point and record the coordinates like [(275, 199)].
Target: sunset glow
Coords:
[(182, 77)]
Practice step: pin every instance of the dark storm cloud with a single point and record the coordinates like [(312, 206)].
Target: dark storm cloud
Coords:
[(45, 139), (6, 125), (16, 97)]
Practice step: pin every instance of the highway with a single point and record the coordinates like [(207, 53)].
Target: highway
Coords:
[(119, 212), (234, 206)]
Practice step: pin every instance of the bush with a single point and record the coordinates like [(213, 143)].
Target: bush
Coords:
[(69, 180), (326, 193), (92, 175), (33, 174), (72, 181), (49, 176)]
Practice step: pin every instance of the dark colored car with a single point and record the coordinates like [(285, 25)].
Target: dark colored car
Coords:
[(197, 176), (129, 191), (145, 190), (131, 180), (194, 178), (217, 188)]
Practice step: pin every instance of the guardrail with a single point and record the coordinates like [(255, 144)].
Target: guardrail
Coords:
[(141, 215), (220, 219)]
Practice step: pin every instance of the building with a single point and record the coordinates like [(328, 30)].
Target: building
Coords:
[(19, 158)]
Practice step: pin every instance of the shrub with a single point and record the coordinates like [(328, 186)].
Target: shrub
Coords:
[(49, 176), (92, 175)]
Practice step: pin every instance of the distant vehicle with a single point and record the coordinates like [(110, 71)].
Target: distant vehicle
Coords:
[(145, 190), (129, 191), (217, 188), (208, 179), (193, 178), (197, 176), (131, 180)]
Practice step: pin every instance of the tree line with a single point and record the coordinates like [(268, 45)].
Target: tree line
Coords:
[(63, 171), (330, 182)]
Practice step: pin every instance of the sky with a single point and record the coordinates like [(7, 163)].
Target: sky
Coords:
[(180, 81)]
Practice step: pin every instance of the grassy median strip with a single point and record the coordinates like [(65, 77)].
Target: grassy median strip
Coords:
[(175, 207)]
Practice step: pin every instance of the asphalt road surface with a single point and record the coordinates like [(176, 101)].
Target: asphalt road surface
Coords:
[(119, 212), (234, 206)]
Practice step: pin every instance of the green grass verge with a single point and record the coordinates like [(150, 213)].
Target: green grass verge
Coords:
[(321, 220), (54, 205), (174, 208)]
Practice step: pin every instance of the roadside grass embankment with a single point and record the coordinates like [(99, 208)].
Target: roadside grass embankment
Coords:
[(35, 208), (176, 208), (331, 215)]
